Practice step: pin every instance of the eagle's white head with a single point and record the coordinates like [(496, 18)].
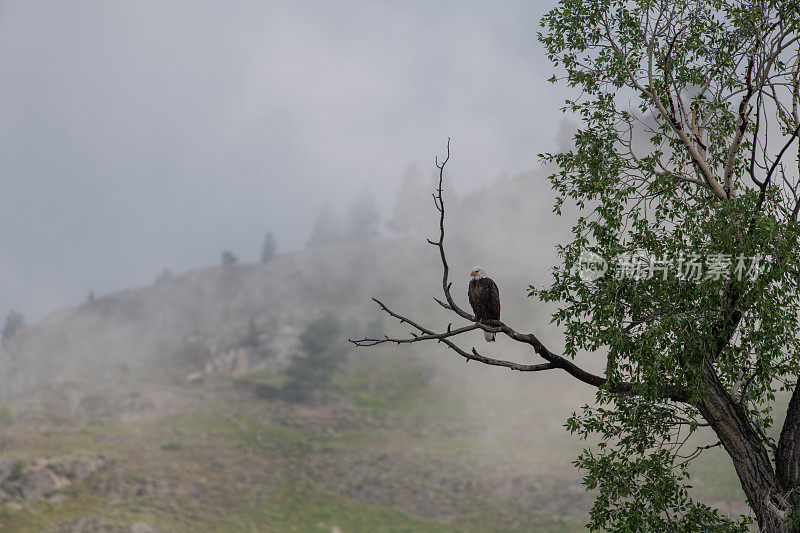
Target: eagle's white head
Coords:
[(477, 273)]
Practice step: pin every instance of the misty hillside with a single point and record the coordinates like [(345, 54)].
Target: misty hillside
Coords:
[(166, 408), (219, 309)]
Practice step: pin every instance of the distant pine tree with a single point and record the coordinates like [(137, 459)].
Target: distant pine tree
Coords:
[(363, 219), (165, 277), (322, 351), (269, 248), (253, 337), (327, 228), (228, 258), (15, 321)]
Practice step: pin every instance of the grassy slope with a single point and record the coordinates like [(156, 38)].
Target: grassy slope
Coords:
[(392, 452), (397, 448), (233, 462)]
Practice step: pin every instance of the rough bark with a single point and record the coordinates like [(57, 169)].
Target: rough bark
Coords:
[(788, 458), (768, 496)]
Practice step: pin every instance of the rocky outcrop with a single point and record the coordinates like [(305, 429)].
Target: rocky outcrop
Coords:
[(234, 362), (34, 479)]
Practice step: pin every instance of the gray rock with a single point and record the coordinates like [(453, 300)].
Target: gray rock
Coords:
[(36, 484), (37, 478), (76, 468)]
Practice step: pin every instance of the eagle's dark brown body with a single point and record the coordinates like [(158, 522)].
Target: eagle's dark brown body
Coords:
[(484, 297)]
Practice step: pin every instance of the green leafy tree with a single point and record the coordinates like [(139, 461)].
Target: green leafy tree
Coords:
[(7, 416), (681, 174), (322, 351)]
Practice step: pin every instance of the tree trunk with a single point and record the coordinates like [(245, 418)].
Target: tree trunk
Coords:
[(788, 455), (770, 501)]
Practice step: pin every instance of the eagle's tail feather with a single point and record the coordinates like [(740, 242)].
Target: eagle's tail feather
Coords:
[(489, 335)]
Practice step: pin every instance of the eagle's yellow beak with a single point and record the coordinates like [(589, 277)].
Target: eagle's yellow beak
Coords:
[(473, 273)]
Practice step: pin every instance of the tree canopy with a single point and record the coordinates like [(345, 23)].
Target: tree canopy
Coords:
[(687, 110)]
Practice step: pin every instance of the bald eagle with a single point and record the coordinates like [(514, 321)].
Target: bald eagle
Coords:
[(484, 297)]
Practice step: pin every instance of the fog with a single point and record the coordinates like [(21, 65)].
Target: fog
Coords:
[(152, 388), (137, 137)]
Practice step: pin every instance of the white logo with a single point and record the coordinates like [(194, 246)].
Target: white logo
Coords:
[(591, 266)]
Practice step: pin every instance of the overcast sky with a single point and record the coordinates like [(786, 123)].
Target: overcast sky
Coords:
[(136, 136)]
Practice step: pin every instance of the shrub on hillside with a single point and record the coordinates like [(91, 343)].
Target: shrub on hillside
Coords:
[(15, 321), (227, 258), (7, 416), (322, 351)]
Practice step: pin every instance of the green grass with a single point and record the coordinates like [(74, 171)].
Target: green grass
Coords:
[(82, 501), (263, 378), (7, 416), (275, 439), (236, 462), (295, 508), (287, 503), (173, 445), (304, 509)]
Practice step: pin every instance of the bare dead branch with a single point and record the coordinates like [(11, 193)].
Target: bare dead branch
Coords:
[(553, 361), (415, 337), (472, 355), (451, 305)]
